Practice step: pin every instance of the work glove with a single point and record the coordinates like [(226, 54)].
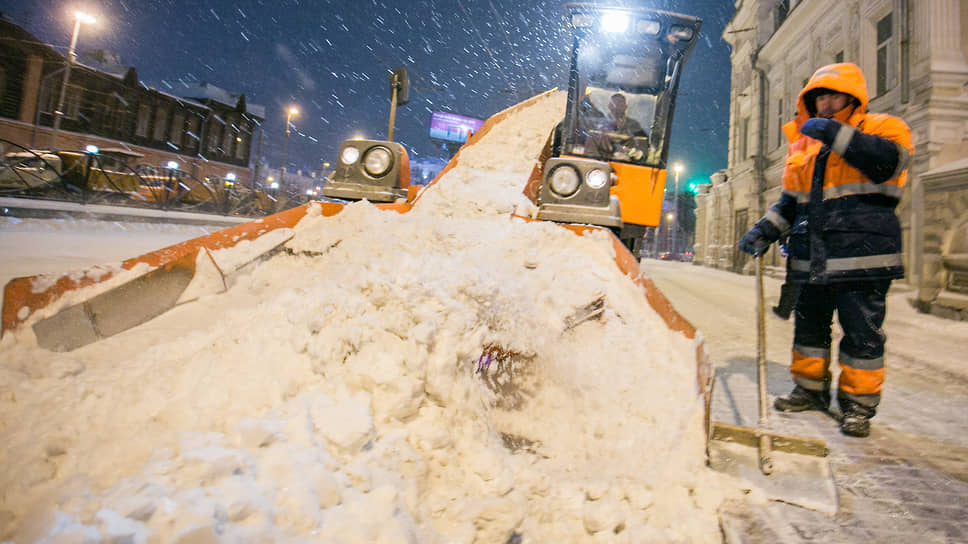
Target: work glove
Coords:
[(759, 238), (633, 153), (821, 129)]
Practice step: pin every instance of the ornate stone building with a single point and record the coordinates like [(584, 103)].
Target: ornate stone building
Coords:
[(913, 54)]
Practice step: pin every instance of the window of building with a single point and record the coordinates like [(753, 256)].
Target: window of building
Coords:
[(112, 111), (839, 56), (241, 145), (742, 138), (72, 102), (177, 129), (215, 128), (161, 124), (191, 139), (228, 139), (144, 116), (886, 54), (779, 122)]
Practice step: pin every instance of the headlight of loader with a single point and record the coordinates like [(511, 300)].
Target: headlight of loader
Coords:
[(377, 161), (564, 180), (349, 155), (596, 178)]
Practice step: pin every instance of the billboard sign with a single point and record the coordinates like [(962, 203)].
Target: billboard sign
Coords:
[(451, 127)]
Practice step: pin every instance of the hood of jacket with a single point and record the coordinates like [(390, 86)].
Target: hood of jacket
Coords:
[(844, 77)]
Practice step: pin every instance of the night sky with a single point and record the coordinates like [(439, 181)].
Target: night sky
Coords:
[(330, 58)]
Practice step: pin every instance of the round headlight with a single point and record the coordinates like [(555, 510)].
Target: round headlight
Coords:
[(377, 161), (349, 155), (596, 178), (564, 180)]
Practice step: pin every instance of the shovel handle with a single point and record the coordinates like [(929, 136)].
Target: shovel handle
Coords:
[(766, 457)]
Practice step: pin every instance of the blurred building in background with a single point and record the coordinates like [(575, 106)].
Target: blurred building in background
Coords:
[(206, 130)]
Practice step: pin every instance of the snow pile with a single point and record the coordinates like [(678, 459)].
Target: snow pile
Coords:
[(391, 378)]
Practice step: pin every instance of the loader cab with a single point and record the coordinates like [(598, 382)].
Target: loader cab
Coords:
[(375, 170), (608, 159)]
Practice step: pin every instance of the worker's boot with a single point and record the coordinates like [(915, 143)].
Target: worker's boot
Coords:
[(802, 399), (856, 418)]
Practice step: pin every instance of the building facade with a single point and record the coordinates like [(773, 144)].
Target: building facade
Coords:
[(913, 54), (206, 130)]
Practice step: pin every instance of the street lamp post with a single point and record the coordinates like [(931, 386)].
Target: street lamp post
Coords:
[(79, 17), (285, 146), (675, 224)]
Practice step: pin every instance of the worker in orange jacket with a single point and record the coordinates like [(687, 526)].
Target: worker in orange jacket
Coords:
[(845, 173)]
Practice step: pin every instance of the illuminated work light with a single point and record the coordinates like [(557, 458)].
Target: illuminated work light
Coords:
[(596, 178), (349, 155), (615, 22), (681, 33), (375, 170), (564, 180), (377, 161), (575, 190), (647, 27)]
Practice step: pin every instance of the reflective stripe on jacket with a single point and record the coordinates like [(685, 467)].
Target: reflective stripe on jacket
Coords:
[(852, 231)]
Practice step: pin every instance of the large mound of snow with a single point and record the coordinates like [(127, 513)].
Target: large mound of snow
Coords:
[(389, 378)]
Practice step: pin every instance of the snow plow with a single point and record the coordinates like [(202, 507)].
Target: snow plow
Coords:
[(607, 159), (77, 312)]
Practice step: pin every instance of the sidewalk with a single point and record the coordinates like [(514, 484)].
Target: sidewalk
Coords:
[(898, 485), (905, 483)]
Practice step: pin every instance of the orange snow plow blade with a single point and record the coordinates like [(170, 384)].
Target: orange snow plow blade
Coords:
[(629, 265), (76, 317)]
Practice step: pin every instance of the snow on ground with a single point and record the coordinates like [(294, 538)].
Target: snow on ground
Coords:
[(338, 392)]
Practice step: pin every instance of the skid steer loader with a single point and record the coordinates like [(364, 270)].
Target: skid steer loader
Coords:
[(620, 192), (606, 161)]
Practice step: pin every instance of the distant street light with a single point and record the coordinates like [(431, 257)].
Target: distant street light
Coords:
[(79, 17), (285, 146), (677, 168)]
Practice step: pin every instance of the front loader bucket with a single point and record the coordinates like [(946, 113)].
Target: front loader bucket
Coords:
[(71, 311)]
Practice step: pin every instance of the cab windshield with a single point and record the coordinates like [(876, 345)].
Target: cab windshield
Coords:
[(623, 85)]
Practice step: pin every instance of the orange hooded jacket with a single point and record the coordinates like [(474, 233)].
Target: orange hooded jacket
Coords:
[(845, 78), (856, 234)]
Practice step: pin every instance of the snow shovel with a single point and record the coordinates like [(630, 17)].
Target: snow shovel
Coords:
[(787, 469)]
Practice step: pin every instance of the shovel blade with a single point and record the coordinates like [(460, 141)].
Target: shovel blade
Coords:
[(803, 479)]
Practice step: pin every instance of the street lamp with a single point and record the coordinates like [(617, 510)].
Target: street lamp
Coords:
[(677, 168), (79, 17), (285, 146)]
